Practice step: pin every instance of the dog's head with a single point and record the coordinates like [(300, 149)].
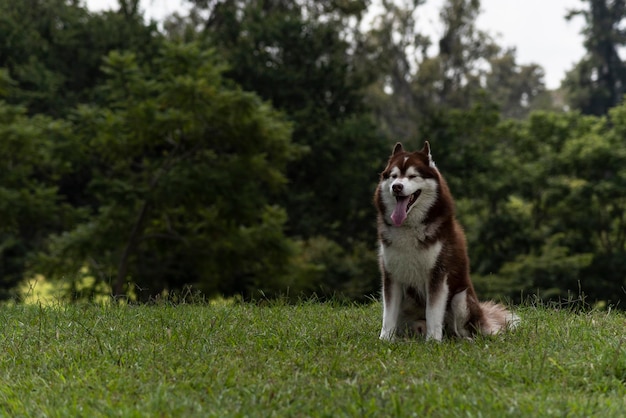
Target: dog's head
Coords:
[(409, 183)]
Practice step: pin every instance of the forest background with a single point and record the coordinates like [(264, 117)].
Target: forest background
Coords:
[(234, 150)]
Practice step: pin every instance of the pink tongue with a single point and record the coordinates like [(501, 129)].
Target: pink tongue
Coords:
[(399, 213)]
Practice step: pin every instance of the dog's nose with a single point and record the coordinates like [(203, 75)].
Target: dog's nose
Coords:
[(397, 188)]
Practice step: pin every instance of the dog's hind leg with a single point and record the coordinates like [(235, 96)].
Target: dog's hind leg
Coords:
[(460, 315), (436, 302), (392, 301)]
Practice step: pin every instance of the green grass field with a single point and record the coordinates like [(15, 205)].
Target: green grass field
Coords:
[(309, 359)]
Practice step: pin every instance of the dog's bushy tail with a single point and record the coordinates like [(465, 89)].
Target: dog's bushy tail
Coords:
[(497, 318)]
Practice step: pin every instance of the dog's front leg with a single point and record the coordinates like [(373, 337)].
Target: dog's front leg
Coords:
[(436, 302), (392, 300)]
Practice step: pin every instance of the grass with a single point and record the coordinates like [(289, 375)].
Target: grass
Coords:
[(309, 359)]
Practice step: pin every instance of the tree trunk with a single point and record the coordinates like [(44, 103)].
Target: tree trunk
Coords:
[(122, 269)]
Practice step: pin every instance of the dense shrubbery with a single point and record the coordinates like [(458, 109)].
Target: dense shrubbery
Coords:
[(237, 150)]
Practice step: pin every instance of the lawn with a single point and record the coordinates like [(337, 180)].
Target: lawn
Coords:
[(309, 359)]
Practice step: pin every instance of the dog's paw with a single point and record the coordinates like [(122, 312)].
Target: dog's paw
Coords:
[(387, 335), (435, 334)]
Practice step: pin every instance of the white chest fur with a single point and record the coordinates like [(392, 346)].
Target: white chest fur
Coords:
[(408, 260)]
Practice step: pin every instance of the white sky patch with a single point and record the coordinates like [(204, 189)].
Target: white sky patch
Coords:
[(153, 9)]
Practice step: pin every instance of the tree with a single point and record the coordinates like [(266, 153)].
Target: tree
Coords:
[(597, 83), (181, 167), (53, 50), (516, 246), (591, 211), (461, 46), (469, 69), (398, 52), (297, 55), (517, 89), (550, 218), (30, 206)]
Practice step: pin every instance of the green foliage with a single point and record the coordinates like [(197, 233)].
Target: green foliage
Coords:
[(297, 56), (30, 208), (310, 359), (53, 49), (180, 171), (413, 85), (252, 174), (596, 83), (331, 271), (551, 220)]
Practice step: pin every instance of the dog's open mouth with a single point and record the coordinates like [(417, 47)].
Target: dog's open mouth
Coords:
[(403, 204)]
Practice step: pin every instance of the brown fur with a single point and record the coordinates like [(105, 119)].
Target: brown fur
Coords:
[(437, 225)]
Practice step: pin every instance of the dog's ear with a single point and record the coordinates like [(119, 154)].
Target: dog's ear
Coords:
[(426, 150), (397, 148)]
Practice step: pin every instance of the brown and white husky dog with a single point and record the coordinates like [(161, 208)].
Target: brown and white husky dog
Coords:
[(423, 256)]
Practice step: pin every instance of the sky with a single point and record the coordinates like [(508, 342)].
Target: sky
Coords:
[(539, 32), (536, 28)]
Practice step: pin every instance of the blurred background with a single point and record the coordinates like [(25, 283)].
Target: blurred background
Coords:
[(231, 148)]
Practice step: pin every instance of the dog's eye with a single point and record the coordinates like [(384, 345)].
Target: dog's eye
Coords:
[(394, 176), (412, 176)]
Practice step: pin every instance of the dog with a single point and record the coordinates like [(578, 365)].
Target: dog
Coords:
[(426, 285)]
